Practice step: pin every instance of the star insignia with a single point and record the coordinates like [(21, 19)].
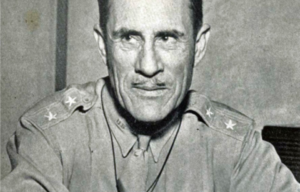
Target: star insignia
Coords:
[(230, 125), (208, 112), (51, 116), (71, 101)]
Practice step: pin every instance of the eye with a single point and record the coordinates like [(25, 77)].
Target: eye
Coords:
[(130, 41), (167, 38), (127, 37), (167, 41)]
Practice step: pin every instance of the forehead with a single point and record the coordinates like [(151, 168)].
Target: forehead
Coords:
[(149, 14)]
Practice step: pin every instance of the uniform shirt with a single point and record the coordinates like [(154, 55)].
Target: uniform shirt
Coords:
[(65, 145), (124, 140)]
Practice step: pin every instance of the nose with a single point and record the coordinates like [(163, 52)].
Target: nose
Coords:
[(148, 64)]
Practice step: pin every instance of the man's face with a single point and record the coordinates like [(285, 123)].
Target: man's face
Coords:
[(150, 50)]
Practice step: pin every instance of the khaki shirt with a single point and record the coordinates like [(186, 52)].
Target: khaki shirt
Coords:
[(65, 144)]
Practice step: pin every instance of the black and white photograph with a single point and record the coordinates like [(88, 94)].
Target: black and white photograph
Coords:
[(150, 96)]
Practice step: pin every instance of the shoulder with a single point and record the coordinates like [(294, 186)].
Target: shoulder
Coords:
[(220, 117), (62, 104)]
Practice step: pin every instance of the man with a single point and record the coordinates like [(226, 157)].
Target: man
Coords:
[(141, 129)]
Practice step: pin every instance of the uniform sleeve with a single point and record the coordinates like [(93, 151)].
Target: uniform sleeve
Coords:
[(260, 169), (35, 165)]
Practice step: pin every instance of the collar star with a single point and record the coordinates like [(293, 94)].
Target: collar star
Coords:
[(209, 113), (230, 125), (71, 101), (51, 116)]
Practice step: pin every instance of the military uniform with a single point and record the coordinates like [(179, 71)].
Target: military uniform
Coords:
[(68, 144)]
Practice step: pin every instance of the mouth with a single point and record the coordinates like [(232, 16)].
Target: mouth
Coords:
[(146, 90)]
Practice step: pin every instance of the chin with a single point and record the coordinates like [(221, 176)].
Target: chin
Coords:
[(149, 115)]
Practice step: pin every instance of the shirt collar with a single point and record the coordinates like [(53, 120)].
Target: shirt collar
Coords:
[(160, 140), (124, 137), (117, 124)]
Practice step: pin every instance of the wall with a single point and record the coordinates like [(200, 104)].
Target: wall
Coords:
[(252, 61), (84, 63), (27, 61)]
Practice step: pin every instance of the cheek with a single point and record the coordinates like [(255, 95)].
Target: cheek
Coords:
[(123, 60), (121, 64), (178, 63), (179, 66)]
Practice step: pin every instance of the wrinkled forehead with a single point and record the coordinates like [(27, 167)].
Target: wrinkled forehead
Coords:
[(149, 14)]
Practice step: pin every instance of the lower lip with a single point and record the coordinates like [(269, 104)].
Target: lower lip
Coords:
[(150, 93)]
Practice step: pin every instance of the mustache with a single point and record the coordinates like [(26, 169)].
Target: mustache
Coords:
[(151, 82)]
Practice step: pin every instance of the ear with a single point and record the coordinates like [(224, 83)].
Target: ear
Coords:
[(98, 34), (201, 43)]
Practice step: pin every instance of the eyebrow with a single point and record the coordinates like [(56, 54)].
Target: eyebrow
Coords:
[(124, 31), (172, 32)]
